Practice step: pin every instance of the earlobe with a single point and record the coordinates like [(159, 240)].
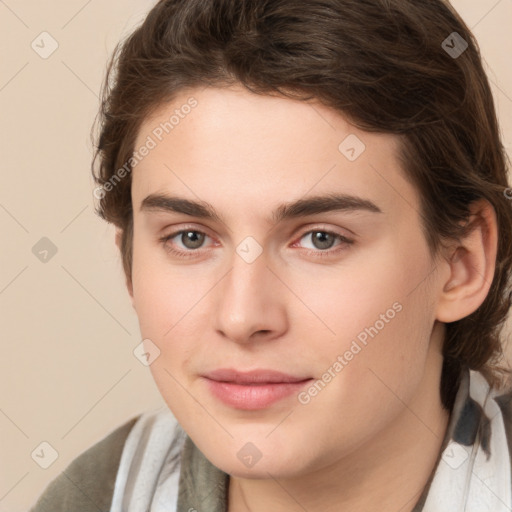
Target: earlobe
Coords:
[(471, 266)]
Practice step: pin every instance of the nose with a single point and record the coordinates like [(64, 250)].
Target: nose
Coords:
[(251, 302)]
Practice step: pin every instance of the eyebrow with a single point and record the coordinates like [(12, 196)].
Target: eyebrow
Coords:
[(300, 208)]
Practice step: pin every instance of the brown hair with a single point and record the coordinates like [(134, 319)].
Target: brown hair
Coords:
[(384, 64)]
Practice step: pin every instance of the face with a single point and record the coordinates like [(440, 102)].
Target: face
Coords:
[(339, 295)]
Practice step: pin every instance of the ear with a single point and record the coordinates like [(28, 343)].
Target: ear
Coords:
[(129, 285), (471, 264)]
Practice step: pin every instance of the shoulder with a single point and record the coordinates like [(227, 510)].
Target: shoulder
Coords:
[(87, 484)]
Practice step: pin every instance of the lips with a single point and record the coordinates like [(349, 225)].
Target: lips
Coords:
[(252, 390), (260, 376)]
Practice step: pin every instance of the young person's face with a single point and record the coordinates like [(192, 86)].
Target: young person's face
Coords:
[(355, 317)]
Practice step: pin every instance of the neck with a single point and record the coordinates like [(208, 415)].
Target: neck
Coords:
[(389, 472)]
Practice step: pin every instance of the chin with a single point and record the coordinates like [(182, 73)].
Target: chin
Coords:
[(265, 467)]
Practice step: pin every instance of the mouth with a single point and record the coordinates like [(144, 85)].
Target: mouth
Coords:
[(252, 390)]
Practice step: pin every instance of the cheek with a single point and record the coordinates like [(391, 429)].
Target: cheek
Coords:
[(155, 300), (374, 282), (159, 293), (377, 315), (171, 309)]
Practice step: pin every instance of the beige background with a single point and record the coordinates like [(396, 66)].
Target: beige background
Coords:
[(68, 375)]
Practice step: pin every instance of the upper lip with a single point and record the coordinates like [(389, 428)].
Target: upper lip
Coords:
[(257, 376)]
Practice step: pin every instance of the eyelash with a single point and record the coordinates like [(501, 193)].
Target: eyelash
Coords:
[(310, 252)]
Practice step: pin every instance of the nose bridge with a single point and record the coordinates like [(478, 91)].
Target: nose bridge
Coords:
[(246, 283), (247, 299)]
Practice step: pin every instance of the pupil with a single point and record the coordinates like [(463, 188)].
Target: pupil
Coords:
[(189, 237), (320, 237)]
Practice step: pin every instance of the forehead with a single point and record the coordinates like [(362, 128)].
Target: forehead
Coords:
[(229, 145), (249, 119)]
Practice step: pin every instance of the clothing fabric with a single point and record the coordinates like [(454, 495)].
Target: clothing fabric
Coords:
[(161, 470), (87, 483)]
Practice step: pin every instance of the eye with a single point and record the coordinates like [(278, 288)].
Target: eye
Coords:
[(192, 240), (323, 240)]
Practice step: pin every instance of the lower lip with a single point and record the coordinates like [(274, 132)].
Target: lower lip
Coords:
[(253, 397)]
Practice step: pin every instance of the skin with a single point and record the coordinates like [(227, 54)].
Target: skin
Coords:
[(370, 439)]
